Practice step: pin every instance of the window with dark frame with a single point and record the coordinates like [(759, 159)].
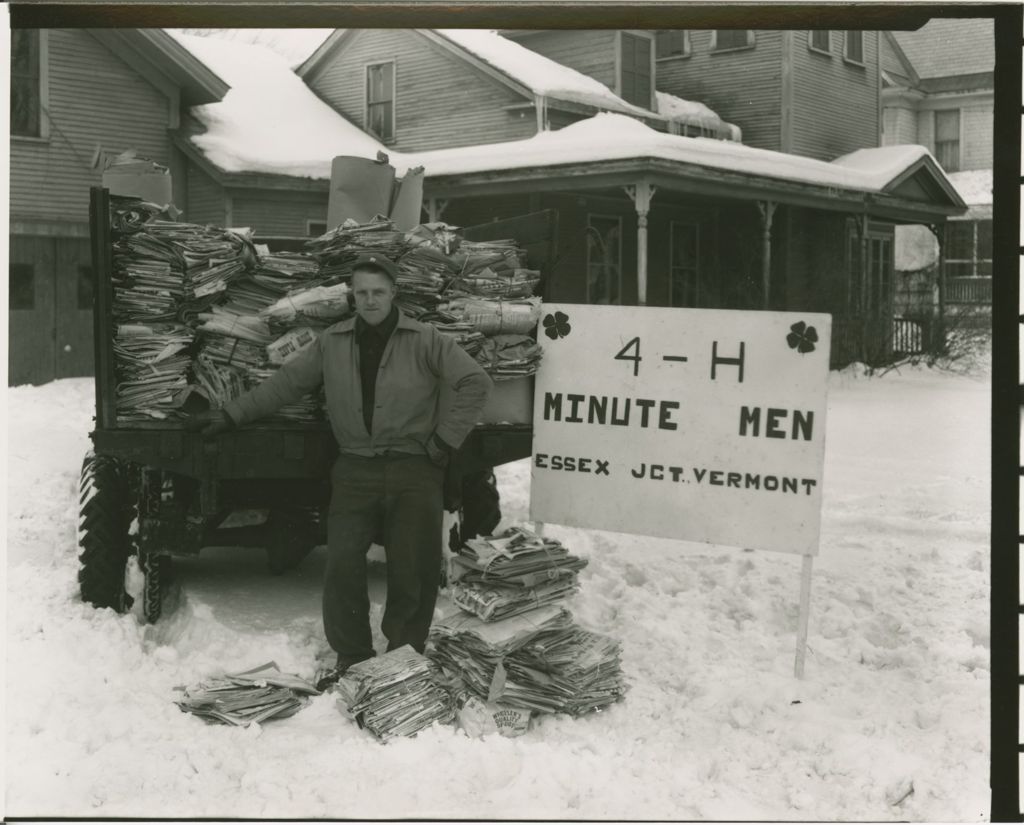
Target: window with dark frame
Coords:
[(671, 43), (855, 46), (968, 249), (85, 286), (820, 40), (732, 39), (25, 88), (947, 139), (604, 259), (684, 270), (22, 285), (880, 266), (380, 100), (635, 70)]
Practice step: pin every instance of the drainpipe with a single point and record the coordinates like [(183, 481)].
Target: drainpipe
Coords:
[(641, 194), (767, 210)]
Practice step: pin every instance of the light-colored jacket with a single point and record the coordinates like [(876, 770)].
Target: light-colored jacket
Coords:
[(426, 384)]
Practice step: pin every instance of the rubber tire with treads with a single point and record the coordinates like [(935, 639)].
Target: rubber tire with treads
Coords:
[(156, 570), (105, 516)]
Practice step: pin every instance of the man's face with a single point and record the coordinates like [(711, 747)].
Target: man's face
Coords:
[(373, 293)]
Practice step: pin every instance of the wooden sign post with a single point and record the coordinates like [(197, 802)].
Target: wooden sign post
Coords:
[(705, 425)]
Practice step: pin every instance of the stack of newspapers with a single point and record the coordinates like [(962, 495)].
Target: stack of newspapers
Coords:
[(245, 698), (514, 572), (515, 644), (396, 694), (540, 661), (152, 362), (338, 248)]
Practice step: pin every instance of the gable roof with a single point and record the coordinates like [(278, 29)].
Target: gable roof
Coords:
[(176, 65), (523, 69), (950, 46)]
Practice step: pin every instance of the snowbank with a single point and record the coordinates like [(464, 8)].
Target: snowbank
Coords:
[(916, 248), (890, 723), (269, 121)]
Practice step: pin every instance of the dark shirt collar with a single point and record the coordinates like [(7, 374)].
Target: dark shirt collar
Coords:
[(382, 330)]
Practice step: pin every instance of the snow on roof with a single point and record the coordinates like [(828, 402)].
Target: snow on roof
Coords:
[(675, 107), (294, 45), (538, 73), (883, 163), (974, 186), (950, 46), (269, 121), (608, 136)]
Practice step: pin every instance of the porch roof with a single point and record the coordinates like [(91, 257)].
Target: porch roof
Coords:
[(900, 183)]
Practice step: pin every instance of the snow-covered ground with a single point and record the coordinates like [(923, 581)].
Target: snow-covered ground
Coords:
[(890, 722)]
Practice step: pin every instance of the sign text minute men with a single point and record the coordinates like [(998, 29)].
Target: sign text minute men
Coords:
[(579, 408)]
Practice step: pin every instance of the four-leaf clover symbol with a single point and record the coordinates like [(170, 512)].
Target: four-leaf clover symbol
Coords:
[(556, 326), (802, 338)]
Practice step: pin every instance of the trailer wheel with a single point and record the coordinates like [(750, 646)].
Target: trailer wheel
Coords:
[(291, 536), (481, 504), (106, 510), (156, 570)]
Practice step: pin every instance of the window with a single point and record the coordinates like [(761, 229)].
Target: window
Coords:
[(684, 290), (22, 286), (380, 100), (635, 70), (880, 264), (25, 83), (855, 47), (604, 259), (968, 249), (723, 39), (84, 286), (947, 139), (316, 228), (820, 41), (673, 43)]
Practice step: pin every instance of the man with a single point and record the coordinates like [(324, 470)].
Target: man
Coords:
[(400, 397)]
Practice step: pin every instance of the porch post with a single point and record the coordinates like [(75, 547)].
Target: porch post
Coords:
[(641, 194), (767, 210), (939, 336)]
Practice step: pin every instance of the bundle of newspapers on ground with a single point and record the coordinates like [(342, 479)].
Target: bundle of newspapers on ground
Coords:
[(245, 698), (203, 310), (514, 646)]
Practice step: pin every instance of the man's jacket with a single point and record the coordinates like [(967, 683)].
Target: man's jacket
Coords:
[(426, 384)]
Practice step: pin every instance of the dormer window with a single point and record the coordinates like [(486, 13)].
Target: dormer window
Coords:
[(723, 40), (636, 68), (380, 100), (672, 43), (820, 41)]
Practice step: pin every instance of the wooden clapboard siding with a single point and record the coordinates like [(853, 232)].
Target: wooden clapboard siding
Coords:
[(891, 62), (743, 87), (835, 102), (280, 213), (440, 100), (95, 100), (589, 52), (206, 198)]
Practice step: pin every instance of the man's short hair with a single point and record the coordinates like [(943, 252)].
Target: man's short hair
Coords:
[(377, 263)]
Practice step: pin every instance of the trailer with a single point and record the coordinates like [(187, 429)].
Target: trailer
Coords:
[(154, 490)]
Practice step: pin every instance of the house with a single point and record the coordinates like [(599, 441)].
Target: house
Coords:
[(658, 201), (75, 95), (647, 215), (938, 91)]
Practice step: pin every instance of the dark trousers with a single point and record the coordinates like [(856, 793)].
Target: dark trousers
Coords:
[(398, 497)]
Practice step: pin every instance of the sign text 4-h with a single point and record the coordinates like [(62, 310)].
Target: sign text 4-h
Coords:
[(707, 425)]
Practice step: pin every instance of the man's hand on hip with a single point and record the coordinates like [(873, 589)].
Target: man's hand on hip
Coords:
[(438, 452)]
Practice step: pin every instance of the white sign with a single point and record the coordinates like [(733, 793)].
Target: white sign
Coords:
[(706, 425)]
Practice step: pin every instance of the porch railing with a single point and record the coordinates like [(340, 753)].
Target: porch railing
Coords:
[(969, 290), (877, 341)]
